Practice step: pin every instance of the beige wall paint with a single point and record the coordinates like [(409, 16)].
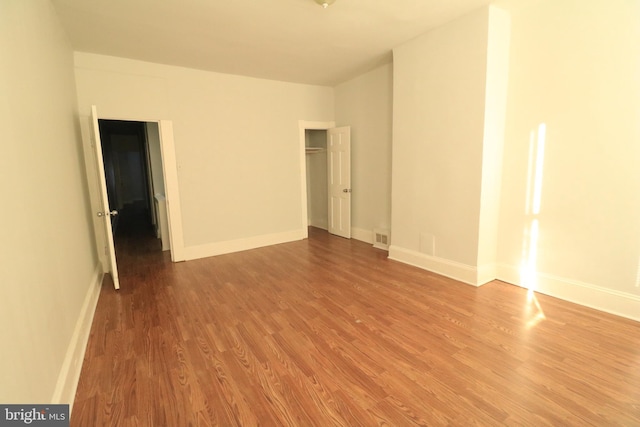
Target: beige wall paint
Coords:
[(48, 254), (438, 122), (236, 139), (562, 220), (365, 104), (575, 66), (495, 105)]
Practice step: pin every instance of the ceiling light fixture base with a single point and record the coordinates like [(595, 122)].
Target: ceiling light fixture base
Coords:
[(325, 3)]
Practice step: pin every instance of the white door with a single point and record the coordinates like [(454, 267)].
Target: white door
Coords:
[(339, 176), (104, 212)]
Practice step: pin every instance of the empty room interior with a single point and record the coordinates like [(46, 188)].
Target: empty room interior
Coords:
[(307, 212)]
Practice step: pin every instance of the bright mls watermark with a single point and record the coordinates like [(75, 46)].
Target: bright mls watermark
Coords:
[(34, 415)]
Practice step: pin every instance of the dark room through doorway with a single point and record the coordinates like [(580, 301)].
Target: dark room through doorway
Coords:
[(135, 187)]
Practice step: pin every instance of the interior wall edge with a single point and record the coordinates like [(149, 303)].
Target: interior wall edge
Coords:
[(486, 273)]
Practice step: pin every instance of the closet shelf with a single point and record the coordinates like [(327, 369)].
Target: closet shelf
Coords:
[(312, 150)]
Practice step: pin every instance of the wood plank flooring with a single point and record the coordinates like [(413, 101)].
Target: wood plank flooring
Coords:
[(328, 332)]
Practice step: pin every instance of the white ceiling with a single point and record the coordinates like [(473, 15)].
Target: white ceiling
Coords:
[(290, 40)]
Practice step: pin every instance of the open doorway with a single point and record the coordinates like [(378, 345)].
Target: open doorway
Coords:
[(335, 142), (135, 185), (317, 190)]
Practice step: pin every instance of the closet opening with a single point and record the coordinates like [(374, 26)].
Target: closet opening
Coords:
[(325, 165), (317, 192)]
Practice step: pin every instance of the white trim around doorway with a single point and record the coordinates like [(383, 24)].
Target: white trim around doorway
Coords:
[(171, 188), (304, 125)]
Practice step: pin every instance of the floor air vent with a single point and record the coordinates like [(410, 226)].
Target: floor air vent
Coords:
[(381, 239)]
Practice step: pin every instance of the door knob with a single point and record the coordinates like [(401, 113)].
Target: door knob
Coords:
[(112, 213), (346, 190)]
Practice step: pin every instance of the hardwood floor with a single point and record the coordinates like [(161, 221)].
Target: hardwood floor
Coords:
[(328, 332)]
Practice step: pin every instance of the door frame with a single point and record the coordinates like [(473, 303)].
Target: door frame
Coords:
[(171, 187), (171, 190), (303, 126)]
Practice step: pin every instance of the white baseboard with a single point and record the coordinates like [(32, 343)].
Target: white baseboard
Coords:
[(230, 246), (65, 391), (608, 300), (593, 296), (322, 224), (362, 235), (455, 270)]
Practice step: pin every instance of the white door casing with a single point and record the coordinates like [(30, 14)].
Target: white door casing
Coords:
[(303, 126), (171, 189), (339, 177), (104, 211)]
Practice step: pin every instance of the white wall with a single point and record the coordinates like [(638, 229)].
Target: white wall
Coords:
[(575, 67), (365, 104), (438, 126), (236, 143), (48, 256)]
